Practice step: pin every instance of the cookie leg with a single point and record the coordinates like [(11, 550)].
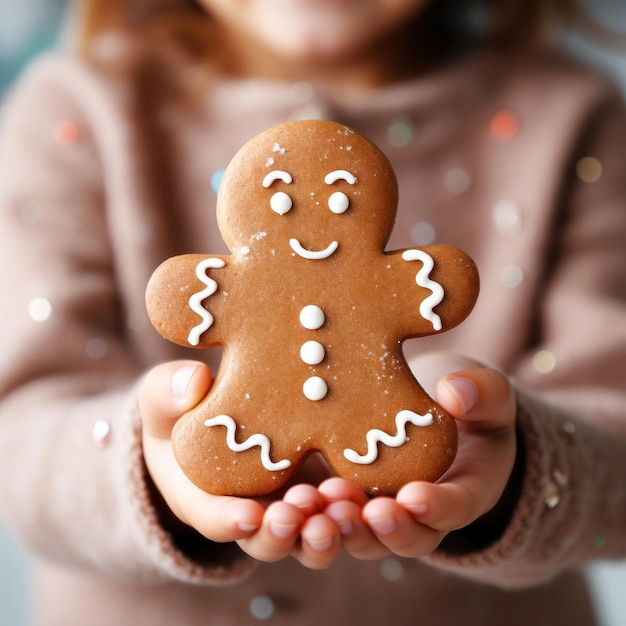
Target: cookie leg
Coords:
[(224, 458), (414, 446)]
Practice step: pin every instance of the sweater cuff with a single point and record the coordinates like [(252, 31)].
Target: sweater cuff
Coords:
[(183, 555), (513, 559)]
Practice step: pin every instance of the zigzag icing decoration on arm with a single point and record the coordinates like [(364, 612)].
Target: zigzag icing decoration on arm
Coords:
[(423, 280), (195, 302), (254, 440), (376, 436)]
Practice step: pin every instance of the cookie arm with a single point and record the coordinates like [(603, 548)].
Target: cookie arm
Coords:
[(184, 300), (443, 281)]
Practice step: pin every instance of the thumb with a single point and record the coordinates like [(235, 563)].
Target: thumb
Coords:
[(169, 390), (482, 396)]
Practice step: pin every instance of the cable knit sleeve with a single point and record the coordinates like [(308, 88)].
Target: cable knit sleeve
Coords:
[(73, 485), (572, 380)]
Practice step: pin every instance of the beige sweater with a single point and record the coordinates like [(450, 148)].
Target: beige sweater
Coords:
[(522, 167)]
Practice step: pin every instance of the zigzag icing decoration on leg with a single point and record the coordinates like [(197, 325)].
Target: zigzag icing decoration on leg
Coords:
[(254, 440), (376, 436), (195, 302), (423, 280)]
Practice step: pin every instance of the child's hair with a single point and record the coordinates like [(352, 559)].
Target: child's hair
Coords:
[(508, 25)]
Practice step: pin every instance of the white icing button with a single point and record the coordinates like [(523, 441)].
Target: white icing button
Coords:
[(315, 388), (312, 352), (312, 317), (423, 233), (39, 309), (261, 608)]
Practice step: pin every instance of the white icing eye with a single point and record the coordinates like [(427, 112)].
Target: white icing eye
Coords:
[(338, 202), (281, 203)]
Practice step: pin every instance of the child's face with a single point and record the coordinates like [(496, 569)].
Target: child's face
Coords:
[(310, 31)]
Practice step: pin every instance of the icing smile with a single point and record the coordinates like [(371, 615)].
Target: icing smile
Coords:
[(314, 255)]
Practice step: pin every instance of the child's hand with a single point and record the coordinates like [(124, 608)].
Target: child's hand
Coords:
[(267, 531), (422, 514)]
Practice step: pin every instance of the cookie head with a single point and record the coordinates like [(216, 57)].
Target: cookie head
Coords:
[(307, 189)]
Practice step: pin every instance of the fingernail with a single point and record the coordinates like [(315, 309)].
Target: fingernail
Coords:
[(346, 528), (247, 528), (283, 531), (181, 379), (384, 525), (416, 509), (464, 391), (321, 545)]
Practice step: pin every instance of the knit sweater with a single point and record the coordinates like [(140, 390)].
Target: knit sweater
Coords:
[(518, 165)]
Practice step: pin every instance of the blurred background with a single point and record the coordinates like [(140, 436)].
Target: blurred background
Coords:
[(30, 27)]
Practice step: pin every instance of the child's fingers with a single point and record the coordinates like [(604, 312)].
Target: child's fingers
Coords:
[(279, 532), (337, 489), (168, 391), (397, 530), (306, 498), (357, 538), (320, 543)]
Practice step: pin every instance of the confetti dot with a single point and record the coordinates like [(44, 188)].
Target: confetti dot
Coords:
[(216, 180), (507, 217), (457, 180), (302, 90), (261, 608), (511, 276), (503, 126), (544, 362), (423, 233), (589, 170), (599, 541), (101, 433), (311, 111), (136, 320), (39, 309), (96, 348), (66, 132), (560, 478), (552, 497), (400, 133), (30, 213), (392, 570)]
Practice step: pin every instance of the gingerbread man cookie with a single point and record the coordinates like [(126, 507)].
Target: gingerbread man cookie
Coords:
[(311, 312)]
